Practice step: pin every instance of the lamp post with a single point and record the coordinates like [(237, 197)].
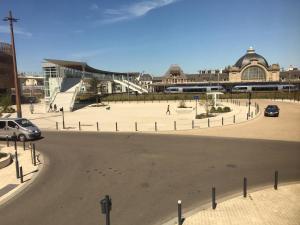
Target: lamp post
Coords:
[(11, 20)]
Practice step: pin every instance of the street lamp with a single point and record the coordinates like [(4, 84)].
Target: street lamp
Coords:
[(11, 20)]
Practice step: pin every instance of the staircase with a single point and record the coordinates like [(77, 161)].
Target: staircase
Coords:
[(66, 96), (131, 86)]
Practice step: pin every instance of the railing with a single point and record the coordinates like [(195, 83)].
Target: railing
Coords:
[(136, 86), (73, 98)]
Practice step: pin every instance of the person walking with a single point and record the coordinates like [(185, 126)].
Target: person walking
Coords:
[(50, 107), (55, 107), (168, 110)]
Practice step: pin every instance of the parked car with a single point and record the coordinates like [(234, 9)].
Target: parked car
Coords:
[(23, 128), (272, 110)]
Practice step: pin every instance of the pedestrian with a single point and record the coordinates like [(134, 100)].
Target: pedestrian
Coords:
[(50, 107), (55, 107), (168, 110)]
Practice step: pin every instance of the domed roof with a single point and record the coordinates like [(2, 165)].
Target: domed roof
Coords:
[(247, 58)]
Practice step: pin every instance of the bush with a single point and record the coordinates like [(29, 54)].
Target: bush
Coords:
[(213, 110), (204, 115), (2, 155), (226, 109), (219, 110), (182, 104)]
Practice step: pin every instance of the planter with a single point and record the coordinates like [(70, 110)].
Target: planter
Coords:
[(184, 110), (5, 161)]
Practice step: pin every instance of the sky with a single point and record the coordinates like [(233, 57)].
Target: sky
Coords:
[(150, 35)]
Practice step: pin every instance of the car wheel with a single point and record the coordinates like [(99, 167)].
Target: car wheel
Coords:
[(22, 137)]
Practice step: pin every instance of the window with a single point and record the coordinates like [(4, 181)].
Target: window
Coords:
[(254, 73), (2, 124), (12, 124)]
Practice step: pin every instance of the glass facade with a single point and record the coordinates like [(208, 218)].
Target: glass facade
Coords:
[(254, 73)]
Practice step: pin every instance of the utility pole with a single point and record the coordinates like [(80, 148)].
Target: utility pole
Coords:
[(11, 20)]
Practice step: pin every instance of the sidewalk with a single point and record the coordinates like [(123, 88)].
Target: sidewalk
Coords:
[(9, 184), (268, 206)]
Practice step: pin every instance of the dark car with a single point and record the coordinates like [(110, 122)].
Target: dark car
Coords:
[(272, 110)]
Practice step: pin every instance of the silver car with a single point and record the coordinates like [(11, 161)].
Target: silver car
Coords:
[(23, 128)]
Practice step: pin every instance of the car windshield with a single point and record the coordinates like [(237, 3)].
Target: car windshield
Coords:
[(24, 123)]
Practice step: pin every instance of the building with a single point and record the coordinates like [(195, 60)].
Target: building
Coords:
[(6, 68), (249, 69)]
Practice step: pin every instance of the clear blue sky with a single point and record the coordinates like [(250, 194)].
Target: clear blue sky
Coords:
[(149, 35)]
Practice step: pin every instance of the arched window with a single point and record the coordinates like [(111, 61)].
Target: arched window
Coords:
[(254, 73)]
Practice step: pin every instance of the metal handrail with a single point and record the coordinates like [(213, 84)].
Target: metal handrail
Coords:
[(73, 98)]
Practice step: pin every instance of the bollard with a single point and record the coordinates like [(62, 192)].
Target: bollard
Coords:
[(276, 180), (175, 125), (14, 137), (24, 145), (17, 165), (116, 126), (97, 126), (155, 125), (136, 129), (79, 126), (7, 141), (245, 187), (179, 212), (213, 198), (208, 122), (193, 124), (222, 121), (34, 155), (251, 114), (247, 116), (233, 118), (21, 174), (56, 125)]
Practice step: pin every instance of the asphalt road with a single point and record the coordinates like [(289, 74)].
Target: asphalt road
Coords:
[(145, 175)]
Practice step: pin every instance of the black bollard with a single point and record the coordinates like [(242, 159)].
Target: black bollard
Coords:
[(276, 180), (17, 165), (7, 141), (79, 125), (208, 122), (222, 121), (233, 118), (97, 124), (247, 116), (24, 148), (213, 198), (179, 212), (116, 126), (245, 187), (175, 125), (155, 126), (21, 174), (135, 124), (193, 124), (34, 155), (56, 125), (15, 140)]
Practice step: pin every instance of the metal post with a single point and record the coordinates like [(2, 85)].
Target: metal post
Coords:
[(97, 126), (7, 141), (155, 126), (17, 165), (247, 116), (213, 198), (174, 125), (276, 180), (21, 174), (208, 122), (34, 155), (179, 212), (193, 124), (233, 118), (107, 209), (56, 125), (24, 145), (135, 126), (116, 126), (10, 19), (15, 141), (79, 126), (222, 121), (245, 187)]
